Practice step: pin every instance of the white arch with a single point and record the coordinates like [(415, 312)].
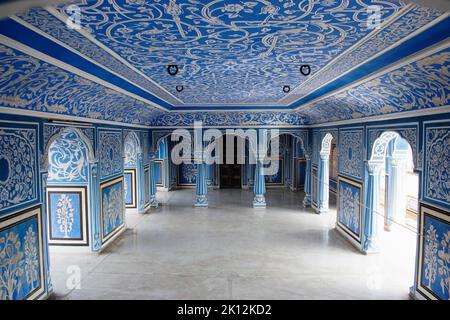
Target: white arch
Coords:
[(379, 148), (298, 137), (133, 138), (326, 144), (80, 134)]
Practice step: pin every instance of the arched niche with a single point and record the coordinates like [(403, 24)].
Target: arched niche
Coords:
[(68, 156), (132, 172), (390, 156)]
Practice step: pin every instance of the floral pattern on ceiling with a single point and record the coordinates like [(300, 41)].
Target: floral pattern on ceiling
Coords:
[(235, 52), (31, 84), (421, 84)]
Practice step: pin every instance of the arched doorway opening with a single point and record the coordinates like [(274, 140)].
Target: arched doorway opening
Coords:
[(294, 164), (390, 220), (163, 172), (133, 174), (232, 152), (327, 174), (69, 205)]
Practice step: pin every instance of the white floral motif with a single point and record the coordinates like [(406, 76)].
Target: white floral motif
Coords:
[(438, 164), (18, 150), (65, 215), (112, 208), (430, 259), (110, 153), (31, 251), (11, 265), (68, 159), (444, 263), (351, 153), (349, 207)]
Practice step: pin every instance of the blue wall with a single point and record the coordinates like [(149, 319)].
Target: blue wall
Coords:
[(23, 204), (429, 138)]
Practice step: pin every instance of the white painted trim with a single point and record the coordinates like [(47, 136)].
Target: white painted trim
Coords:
[(41, 56), (48, 115), (64, 18), (392, 116)]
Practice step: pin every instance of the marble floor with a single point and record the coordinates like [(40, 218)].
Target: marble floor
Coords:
[(231, 251)]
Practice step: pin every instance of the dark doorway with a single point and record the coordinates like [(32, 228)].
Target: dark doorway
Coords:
[(230, 173)]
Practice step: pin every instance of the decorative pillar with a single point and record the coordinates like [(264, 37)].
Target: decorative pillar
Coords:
[(372, 208), (45, 226), (287, 168), (94, 186), (307, 187), (140, 182), (396, 198), (152, 185), (259, 187), (201, 182), (324, 181), (210, 174)]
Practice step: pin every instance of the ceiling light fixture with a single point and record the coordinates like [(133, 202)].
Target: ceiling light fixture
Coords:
[(286, 89), (172, 69), (305, 69), (179, 88)]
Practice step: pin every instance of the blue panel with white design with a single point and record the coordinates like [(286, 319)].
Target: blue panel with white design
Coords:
[(278, 177), (159, 174), (349, 213), (187, 174), (19, 185), (20, 260), (66, 214), (437, 164), (351, 154), (435, 268), (111, 153), (68, 159), (112, 208), (129, 188)]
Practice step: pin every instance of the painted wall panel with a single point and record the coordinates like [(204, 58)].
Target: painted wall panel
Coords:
[(68, 160), (350, 209), (351, 153), (278, 178), (437, 164), (112, 208), (111, 153), (129, 179), (67, 215), (186, 174), (434, 254), (19, 185), (21, 256)]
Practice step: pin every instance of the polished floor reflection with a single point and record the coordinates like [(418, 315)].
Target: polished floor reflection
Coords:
[(232, 251)]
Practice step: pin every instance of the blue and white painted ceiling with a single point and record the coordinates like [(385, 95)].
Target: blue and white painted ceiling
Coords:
[(234, 59)]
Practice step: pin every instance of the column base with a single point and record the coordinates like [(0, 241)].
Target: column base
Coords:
[(323, 211), (153, 203), (201, 202), (307, 201), (259, 202), (371, 246)]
